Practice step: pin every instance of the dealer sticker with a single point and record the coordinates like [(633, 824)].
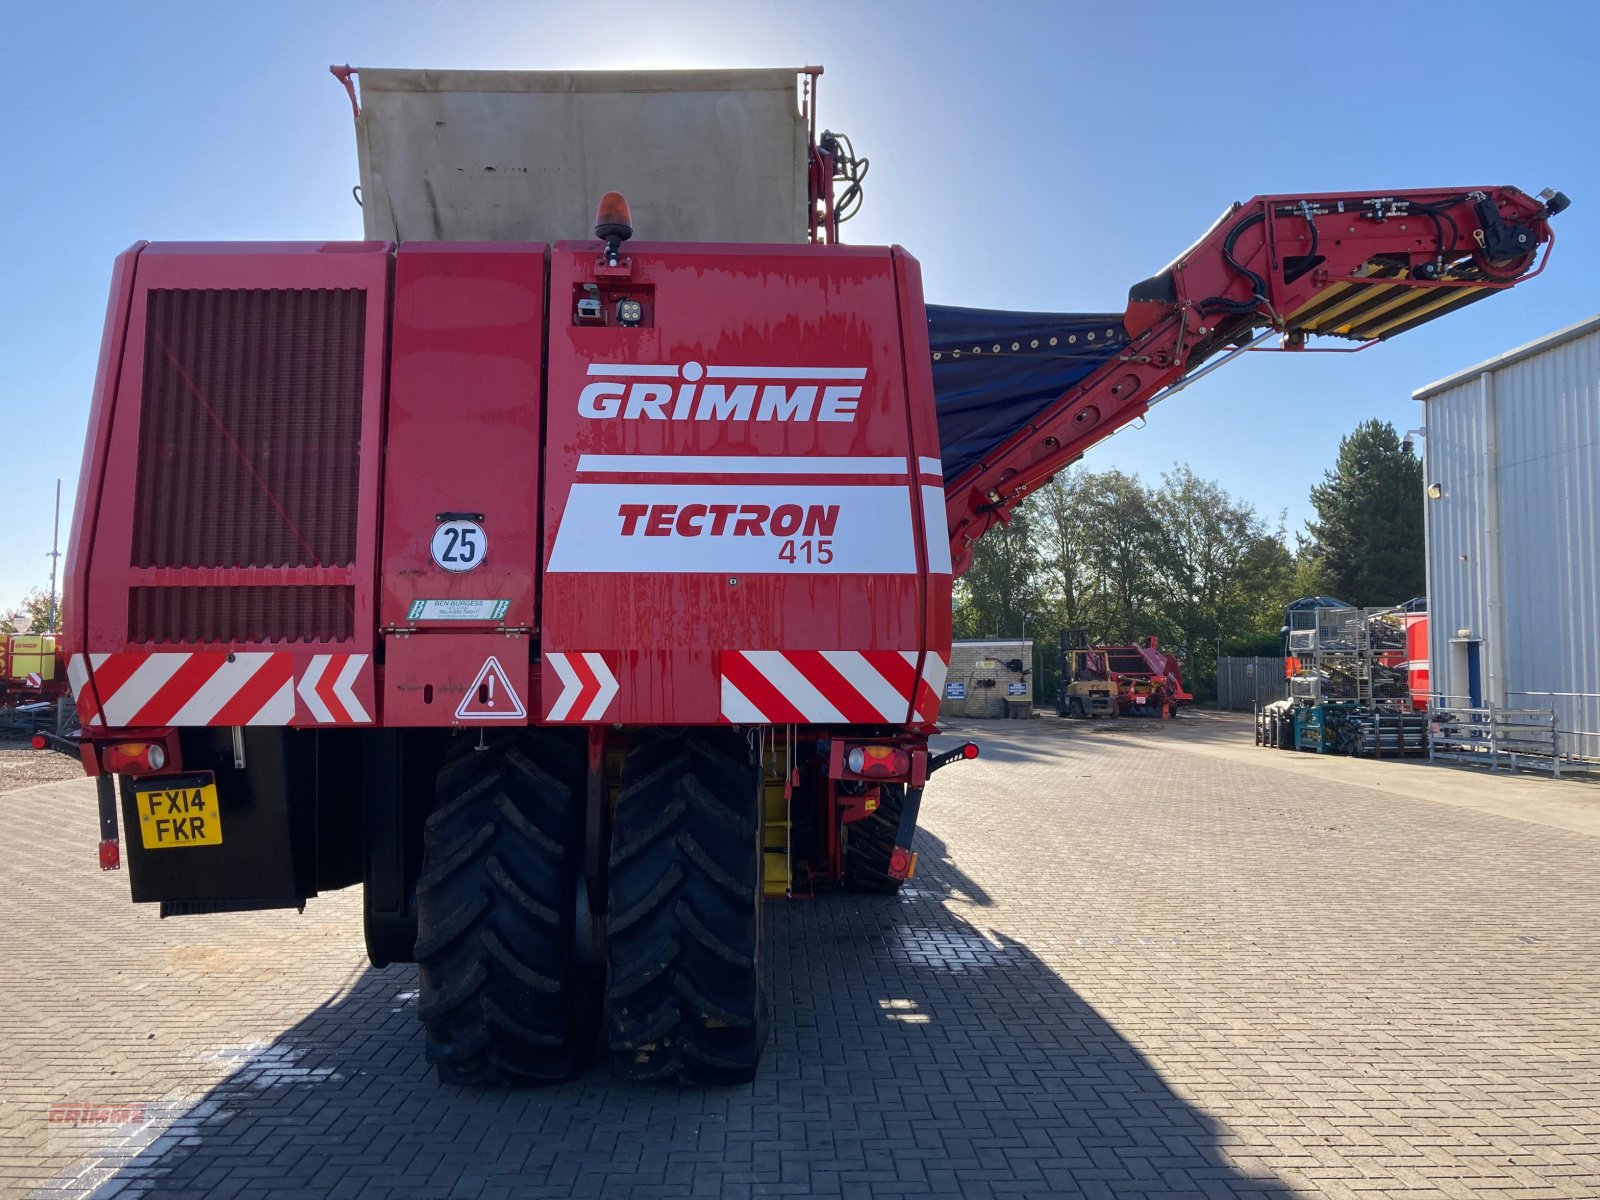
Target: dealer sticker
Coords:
[(458, 610)]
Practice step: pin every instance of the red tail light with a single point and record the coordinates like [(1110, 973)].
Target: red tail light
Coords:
[(39, 742), (133, 758), (878, 762)]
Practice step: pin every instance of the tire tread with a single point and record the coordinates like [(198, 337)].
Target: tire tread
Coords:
[(502, 996), (684, 998), (869, 844)]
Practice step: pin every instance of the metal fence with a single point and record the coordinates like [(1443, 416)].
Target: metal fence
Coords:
[(1245, 683), (1575, 721), (1511, 738)]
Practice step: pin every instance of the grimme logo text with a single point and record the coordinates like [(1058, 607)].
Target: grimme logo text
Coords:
[(694, 392)]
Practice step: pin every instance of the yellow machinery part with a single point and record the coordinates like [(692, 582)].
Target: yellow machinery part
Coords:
[(32, 654), (1371, 307), (778, 828), (1401, 296), (1447, 297), (1325, 320)]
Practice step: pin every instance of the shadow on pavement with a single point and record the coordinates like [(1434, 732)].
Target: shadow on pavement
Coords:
[(1002, 741), (912, 1053), (939, 877)]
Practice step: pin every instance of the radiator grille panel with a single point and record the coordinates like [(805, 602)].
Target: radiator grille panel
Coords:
[(198, 615), (249, 438)]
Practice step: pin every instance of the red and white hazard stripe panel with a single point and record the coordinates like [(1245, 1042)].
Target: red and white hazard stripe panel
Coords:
[(829, 687), (587, 686), (930, 686), (135, 690), (328, 688)]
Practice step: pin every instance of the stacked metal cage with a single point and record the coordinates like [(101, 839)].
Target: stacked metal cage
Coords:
[(1349, 692)]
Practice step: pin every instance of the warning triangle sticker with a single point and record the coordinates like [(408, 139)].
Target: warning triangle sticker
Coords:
[(491, 696)]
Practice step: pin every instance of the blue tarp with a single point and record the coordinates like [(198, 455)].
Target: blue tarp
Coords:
[(993, 371), (1306, 602)]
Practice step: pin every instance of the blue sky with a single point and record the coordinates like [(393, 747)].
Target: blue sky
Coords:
[(1132, 125)]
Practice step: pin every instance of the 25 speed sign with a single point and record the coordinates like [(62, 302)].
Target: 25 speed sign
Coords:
[(459, 545)]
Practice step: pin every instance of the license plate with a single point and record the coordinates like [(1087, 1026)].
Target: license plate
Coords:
[(179, 812)]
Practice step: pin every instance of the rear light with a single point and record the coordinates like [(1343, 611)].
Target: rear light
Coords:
[(902, 863), (133, 758), (39, 742), (966, 751), (884, 762)]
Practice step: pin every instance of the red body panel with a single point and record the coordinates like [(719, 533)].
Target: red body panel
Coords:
[(91, 475), (108, 666), (721, 515), (461, 436), (937, 610), (433, 679), (462, 432), (738, 476)]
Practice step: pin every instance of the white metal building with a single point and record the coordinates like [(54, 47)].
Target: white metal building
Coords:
[(1512, 474)]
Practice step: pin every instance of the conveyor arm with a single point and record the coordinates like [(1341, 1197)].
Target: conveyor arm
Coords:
[(1353, 265)]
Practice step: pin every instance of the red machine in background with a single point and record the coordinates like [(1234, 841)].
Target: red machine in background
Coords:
[(1146, 680), (539, 585)]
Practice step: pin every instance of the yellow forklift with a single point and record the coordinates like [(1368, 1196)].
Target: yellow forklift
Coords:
[(1084, 691)]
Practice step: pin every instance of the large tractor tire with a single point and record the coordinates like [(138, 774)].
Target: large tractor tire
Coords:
[(869, 843), (683, 933), (503, 996)]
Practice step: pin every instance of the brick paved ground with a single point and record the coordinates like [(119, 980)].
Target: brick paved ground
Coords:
[(22, 766), (1138, 961)]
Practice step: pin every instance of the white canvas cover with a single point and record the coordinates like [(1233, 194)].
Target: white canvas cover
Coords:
[(715, 156)]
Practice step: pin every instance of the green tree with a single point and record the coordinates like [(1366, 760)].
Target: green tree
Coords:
[(1001, 589), (1218, 565), (1124, 544), (1102, 552), (33, 614), (1310, 574), (1067, 518), (1271, 575), (1368, 532)]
